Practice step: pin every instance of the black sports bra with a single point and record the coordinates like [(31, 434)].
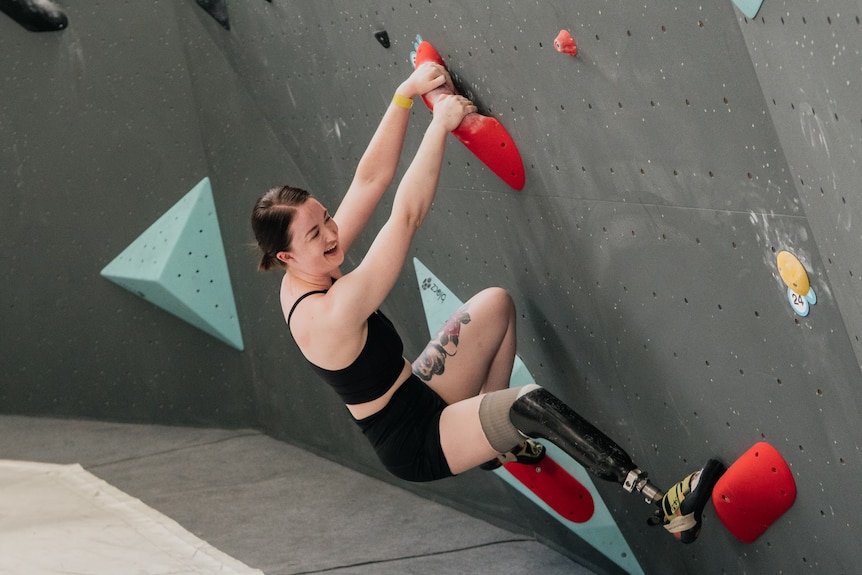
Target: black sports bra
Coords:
[(377, 367)]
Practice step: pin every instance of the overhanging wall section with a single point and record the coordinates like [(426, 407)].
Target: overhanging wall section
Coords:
[(641, 252)]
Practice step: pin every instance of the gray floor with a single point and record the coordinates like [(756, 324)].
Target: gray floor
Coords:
[(278, 508)]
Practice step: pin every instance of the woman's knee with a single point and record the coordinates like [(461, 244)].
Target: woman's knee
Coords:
[(498, 299), (495, 417)]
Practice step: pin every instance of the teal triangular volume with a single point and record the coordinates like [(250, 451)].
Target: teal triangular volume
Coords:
[(179, 264), (600, 531), (748, 7)]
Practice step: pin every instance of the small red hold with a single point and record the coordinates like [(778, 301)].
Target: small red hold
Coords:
[(565, 43)]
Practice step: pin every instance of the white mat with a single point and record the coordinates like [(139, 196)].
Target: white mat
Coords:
[(62, 519)]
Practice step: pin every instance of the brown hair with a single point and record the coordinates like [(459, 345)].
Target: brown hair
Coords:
[(271, 220)]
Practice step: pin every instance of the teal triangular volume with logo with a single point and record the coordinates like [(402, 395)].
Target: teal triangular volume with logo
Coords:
[(600, 530), (179, 264)]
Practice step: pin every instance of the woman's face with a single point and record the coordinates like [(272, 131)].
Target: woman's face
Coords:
[(314, 246)]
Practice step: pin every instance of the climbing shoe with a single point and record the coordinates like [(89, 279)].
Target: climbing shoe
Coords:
[(681, 508), (529, 451)]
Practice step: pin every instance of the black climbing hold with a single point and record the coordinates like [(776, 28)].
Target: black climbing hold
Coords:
[(217, 9), (36, 15), (383, 38)]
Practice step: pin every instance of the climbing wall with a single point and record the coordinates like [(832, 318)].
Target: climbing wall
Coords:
[(667, 166), (808, 64), (102, 136)]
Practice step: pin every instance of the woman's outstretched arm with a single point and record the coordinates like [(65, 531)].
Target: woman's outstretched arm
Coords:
[(378, 164), (362, 290)]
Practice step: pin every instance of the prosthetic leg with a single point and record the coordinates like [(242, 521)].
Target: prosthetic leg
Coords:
[(538, 413)]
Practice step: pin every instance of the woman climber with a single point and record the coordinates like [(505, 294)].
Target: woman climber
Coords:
[(452, 409)]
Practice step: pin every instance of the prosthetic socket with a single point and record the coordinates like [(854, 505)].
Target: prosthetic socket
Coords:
[(539, 414)]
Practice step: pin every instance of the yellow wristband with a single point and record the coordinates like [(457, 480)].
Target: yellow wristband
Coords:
[(402, 101)]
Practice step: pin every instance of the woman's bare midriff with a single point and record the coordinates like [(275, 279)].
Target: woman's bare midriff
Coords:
[(363, 410)]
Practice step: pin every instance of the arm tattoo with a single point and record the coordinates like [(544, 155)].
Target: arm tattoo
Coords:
[(433, 359)]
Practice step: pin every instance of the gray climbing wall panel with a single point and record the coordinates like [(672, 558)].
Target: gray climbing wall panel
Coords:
[(807, 61), (667, 165)]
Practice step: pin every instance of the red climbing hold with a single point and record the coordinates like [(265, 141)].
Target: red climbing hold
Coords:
[(565, 43), (755, 491), (556, 487), (485, 136)]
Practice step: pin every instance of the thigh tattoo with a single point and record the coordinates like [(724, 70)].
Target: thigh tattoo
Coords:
[(433, 359)]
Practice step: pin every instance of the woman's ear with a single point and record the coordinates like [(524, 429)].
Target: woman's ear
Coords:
[(284, 257)]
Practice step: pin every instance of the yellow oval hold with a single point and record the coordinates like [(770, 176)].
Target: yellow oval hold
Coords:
[(793, 273)]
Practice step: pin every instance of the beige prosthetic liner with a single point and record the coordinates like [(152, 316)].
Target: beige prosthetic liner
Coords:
[(494, 417)]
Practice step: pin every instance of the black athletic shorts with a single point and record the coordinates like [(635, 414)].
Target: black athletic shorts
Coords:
[(406, 433)]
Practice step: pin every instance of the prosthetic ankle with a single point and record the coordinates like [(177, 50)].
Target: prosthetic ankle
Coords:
[(538, 413)]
